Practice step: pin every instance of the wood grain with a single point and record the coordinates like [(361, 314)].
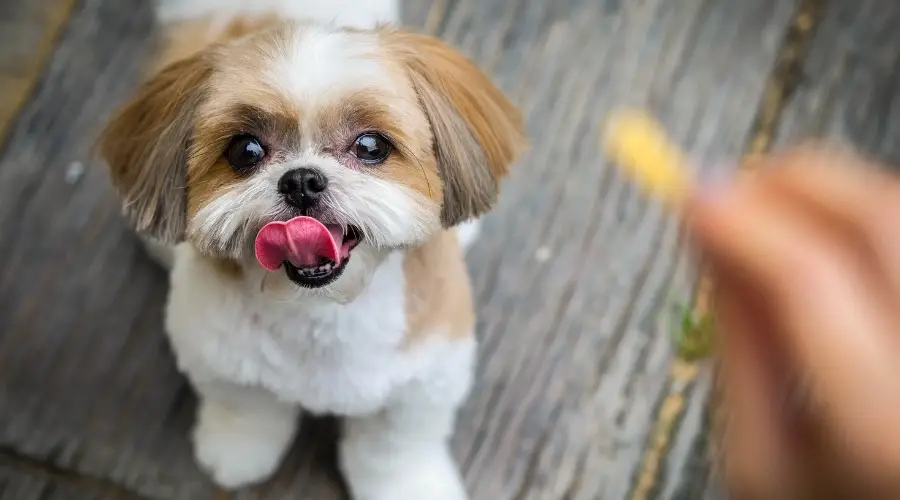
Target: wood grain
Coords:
[(849, 87), (575, 275), (28, 32), (24, 483)]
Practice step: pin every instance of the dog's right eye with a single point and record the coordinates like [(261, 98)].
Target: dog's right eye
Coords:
[(244, 152)]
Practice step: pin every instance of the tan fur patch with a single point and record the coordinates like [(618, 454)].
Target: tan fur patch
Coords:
[(243, 64), (185, 38), (228, 267), (211, 182), (209, 174), (146, 148), (438, 294), (144, 143), (477, 131), (399, 119), (270, 117), (418, 173), (241, 104)]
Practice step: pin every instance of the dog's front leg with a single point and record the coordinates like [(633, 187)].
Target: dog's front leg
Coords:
[(402, 452), (241, 433)]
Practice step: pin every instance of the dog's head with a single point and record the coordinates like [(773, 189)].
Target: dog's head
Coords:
[(304, 146)]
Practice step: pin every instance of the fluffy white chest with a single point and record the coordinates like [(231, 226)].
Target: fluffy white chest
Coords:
[(326, 357)]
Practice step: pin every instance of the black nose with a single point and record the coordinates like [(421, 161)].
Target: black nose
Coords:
[(302, 187)]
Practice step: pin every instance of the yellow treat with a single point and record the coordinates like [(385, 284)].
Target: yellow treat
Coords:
[(638, 144)]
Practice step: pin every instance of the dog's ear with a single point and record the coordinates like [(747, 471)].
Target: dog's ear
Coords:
[(477, 131), (146, 146)]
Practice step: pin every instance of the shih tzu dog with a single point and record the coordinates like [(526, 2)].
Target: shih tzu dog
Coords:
[(311, 176)]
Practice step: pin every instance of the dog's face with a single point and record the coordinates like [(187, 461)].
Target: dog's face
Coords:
[(311, 145)]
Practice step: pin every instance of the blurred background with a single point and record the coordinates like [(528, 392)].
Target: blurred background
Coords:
[(581, 284)]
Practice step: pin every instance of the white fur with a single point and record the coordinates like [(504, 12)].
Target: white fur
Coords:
[(401, 453), (322, 64), (241, 432), (353, 13), (319, 65), (468, 233), (256, 355)]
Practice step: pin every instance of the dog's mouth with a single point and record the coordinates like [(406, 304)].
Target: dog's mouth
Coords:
[(312, 253), (325, 271)]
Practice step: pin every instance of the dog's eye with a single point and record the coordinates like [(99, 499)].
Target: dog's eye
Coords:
[(371, 148), (244, 152)]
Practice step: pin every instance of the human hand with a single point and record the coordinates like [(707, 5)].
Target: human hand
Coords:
[(805, 256)]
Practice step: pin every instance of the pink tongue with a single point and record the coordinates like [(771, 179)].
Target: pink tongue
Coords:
[(302, 241)]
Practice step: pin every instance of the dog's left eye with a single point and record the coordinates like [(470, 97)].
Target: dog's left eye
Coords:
[(371, 148), (244, 152)]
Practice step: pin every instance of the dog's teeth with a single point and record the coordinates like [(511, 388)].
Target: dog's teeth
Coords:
[(316, 271)]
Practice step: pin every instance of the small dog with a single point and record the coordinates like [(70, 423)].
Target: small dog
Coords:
[(312, 177)]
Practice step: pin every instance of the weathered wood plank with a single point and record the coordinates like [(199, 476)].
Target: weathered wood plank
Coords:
[(87, 381), (18, 485), (25, 483), (28, 30), (849, 88), (575, 274)]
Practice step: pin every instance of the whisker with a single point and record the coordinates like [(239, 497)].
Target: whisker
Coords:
[(408, 152)]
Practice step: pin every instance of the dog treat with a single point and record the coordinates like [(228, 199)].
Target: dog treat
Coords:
[(638, 144)]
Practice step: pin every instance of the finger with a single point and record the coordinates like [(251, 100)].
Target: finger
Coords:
[(821, 302), (757, 449), (845, 191)]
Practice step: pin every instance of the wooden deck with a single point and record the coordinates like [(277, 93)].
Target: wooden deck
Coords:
[(577, 278)]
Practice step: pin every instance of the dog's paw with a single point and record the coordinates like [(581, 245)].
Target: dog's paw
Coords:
[(415, 476), (418, 488), (238, 450)]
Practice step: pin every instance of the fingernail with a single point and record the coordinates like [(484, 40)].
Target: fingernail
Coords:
[(714, 182)]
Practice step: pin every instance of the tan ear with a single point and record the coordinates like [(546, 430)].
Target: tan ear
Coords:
[(478, 133), (146, 146)]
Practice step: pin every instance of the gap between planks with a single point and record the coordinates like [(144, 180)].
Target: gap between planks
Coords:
[(38, 468), (779, 87)]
